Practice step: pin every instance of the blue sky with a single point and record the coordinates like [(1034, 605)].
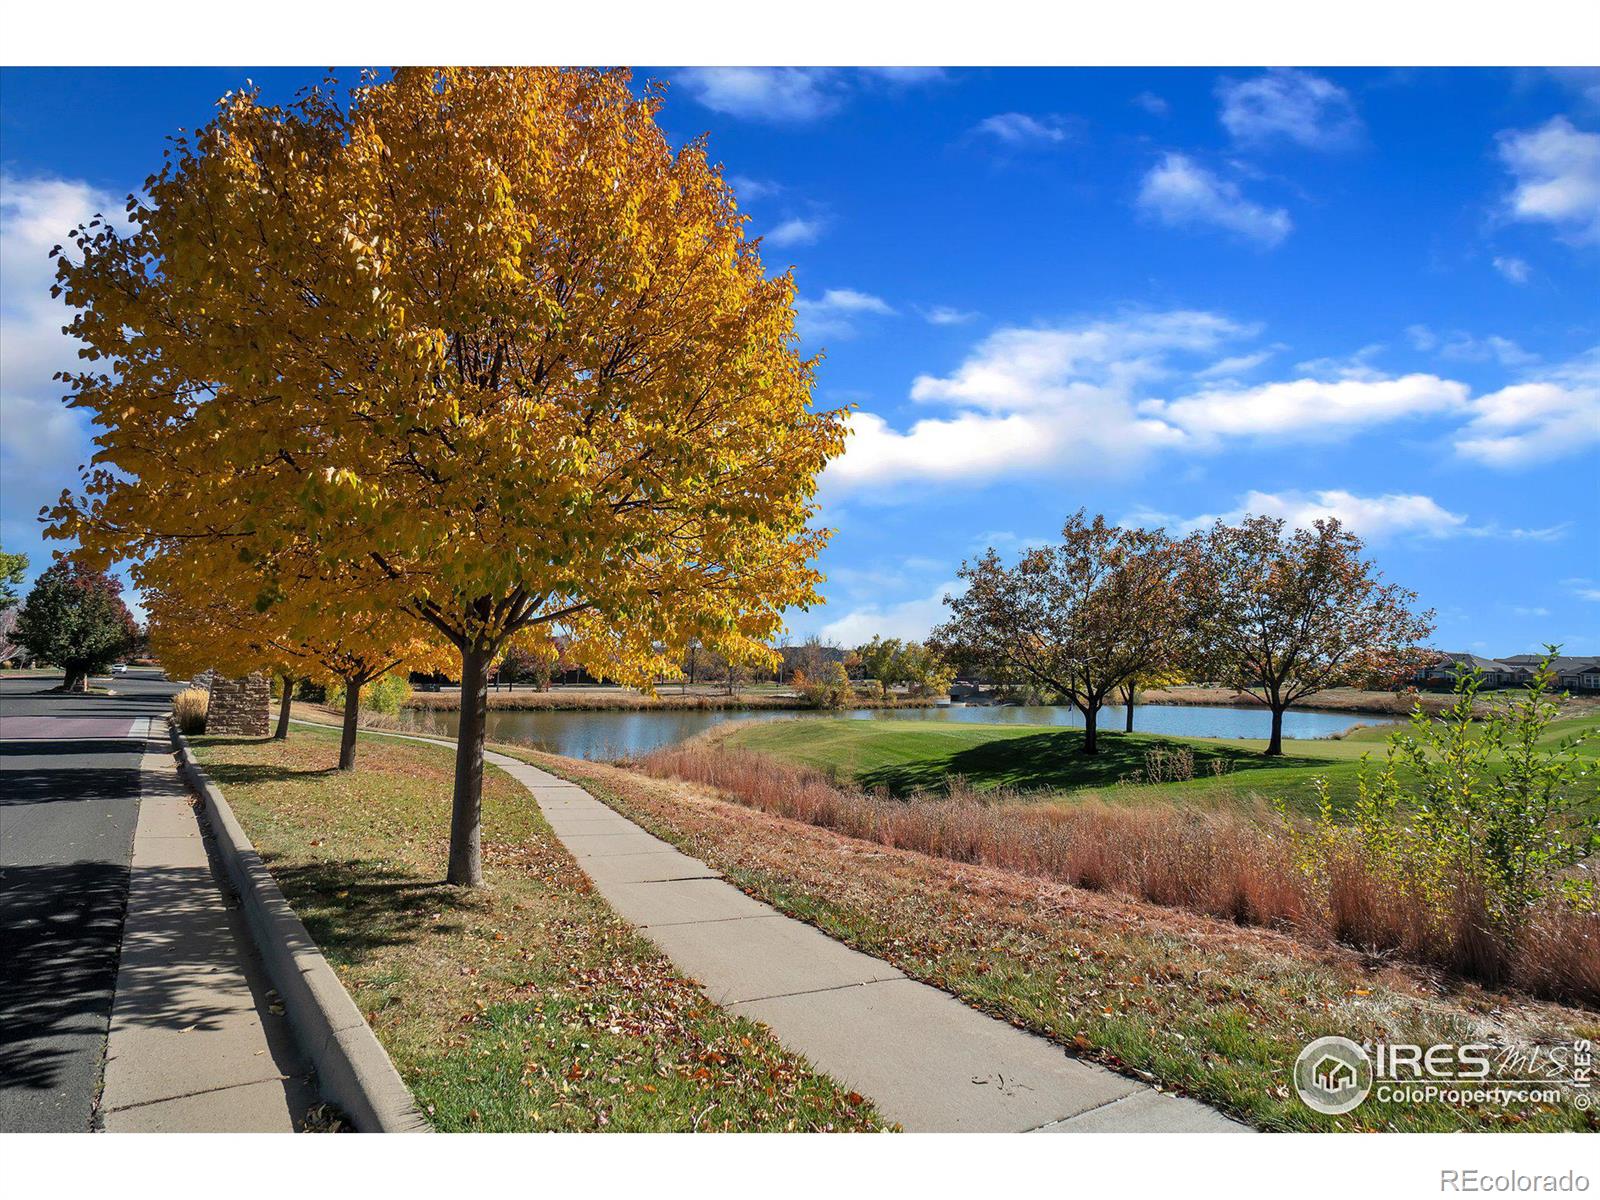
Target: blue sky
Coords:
[(1164, 295)]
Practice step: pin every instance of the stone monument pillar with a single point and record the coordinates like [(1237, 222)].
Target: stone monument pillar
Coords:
[(240, 707)]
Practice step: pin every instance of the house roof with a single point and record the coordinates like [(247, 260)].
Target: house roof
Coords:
[(1564, 665), (1560, 664)]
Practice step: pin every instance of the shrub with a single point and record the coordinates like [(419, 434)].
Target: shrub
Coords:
[(1472, 832), (386, 694), (189, 710), (830, 689)]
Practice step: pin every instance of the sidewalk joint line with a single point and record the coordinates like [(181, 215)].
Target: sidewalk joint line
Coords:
[(224, 1087), (838, 987)]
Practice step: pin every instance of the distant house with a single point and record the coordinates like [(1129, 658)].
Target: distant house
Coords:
[(10, 652), (1574, 673)]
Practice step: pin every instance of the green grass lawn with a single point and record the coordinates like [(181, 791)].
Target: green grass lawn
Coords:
[(910, 756), (524, 1005)]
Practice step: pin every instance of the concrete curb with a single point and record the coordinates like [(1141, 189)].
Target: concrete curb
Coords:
[(353, 1069)]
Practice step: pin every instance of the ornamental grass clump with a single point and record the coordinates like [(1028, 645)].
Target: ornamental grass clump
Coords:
[(189, 709)]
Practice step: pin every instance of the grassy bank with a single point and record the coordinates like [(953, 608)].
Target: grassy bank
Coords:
[(525, 1005), (1197, 1005), (1046, 762), (905, 757)]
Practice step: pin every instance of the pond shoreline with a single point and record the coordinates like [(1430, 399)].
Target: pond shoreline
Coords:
[(597, 701), (1340, 700)]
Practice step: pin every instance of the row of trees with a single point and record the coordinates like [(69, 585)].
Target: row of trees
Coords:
[(452, 362), (1278, 613)]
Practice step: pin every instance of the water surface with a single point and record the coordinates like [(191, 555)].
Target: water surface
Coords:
[(626, 734)]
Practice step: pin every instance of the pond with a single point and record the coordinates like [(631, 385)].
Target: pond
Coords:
[(624, 734)]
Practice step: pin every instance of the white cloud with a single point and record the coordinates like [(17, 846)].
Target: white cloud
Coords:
[(907, 76), (1027, 399), (1584, 589), (1306, 409), (1234, 365), (1557, 171), (1374, 518), (1047, 368), (1514, 269), (834, 314), (43, 441), (1102, 397), (1464, 347), (1152, 104), (796, 231), (1355, 365), (909, 620), (944, 314), (1422, 338), (1179, 192), (1546, 418), (1020, 129), (792, 95), (1288, 105), (749, 189)]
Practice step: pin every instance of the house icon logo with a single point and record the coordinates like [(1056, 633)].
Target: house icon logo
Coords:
[(1333, 1075)]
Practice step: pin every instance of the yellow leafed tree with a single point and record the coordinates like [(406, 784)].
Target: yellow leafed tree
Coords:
[(479, 343), (206, 610)]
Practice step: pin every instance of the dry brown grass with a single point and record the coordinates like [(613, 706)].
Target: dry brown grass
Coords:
[(189, 709), (1241, 867)]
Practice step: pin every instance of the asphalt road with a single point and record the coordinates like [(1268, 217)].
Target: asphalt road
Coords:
[(69, 802)]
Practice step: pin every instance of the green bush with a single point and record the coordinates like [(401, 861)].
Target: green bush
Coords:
[(385, 694), (1478, 825)]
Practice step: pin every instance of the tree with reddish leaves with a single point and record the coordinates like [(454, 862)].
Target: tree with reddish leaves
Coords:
[(1081, 617), (1281, 614), (75, 618)]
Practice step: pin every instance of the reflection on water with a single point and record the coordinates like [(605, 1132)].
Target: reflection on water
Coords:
[(627, 733)]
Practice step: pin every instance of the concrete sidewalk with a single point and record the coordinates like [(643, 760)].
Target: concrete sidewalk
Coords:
[(924, 1058), (194, 1042)]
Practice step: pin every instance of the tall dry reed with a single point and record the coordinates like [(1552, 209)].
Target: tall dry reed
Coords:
[(1237, 866)]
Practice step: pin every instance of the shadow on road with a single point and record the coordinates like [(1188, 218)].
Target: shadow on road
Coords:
[(58, 965)]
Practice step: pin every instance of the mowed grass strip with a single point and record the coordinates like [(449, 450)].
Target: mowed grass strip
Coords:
[(524, 1005), (1196, 1005), (904, 757), (1046, 762)]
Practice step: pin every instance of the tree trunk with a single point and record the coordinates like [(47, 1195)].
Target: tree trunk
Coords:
[(1091, 739), (1275, 744), (77, 680), (347, 739), (466, 859), (284, 701), (1127, 701)]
